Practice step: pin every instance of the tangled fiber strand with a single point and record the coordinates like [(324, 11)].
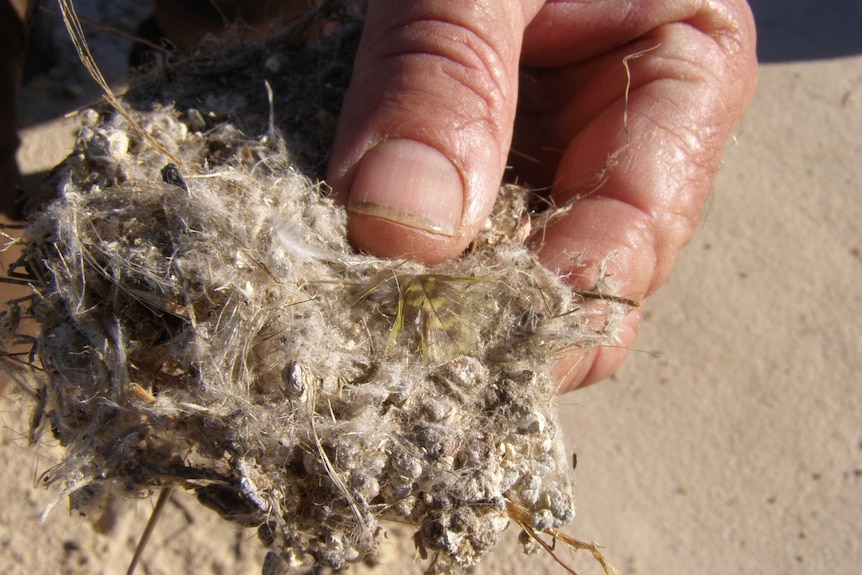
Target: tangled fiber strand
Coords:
[(208, 327)]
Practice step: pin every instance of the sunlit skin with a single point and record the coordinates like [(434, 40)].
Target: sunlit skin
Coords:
[(434, 102), (442, 91)]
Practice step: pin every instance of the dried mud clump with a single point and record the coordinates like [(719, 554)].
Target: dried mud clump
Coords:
[(204, 324)]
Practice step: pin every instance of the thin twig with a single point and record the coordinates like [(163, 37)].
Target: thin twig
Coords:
[(522, 517), (112, 30), (76, 32), (164, 496)]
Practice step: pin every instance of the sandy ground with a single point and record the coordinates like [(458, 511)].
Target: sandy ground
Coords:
[(731, 443)]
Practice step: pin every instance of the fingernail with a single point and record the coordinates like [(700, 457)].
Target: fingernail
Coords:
[(409, 183)]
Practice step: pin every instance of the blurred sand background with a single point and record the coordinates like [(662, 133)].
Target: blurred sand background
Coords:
[(732, 443)]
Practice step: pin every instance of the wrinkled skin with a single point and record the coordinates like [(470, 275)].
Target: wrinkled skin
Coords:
[(441, 91)]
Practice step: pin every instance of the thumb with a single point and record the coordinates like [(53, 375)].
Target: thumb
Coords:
[(427, 122)]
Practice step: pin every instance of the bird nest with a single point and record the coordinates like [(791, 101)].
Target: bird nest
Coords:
[(204, 324)]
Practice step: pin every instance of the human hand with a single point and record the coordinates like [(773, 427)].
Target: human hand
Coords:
[(433, 108)]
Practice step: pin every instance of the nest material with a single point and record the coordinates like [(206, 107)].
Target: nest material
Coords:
[(208, 326)]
